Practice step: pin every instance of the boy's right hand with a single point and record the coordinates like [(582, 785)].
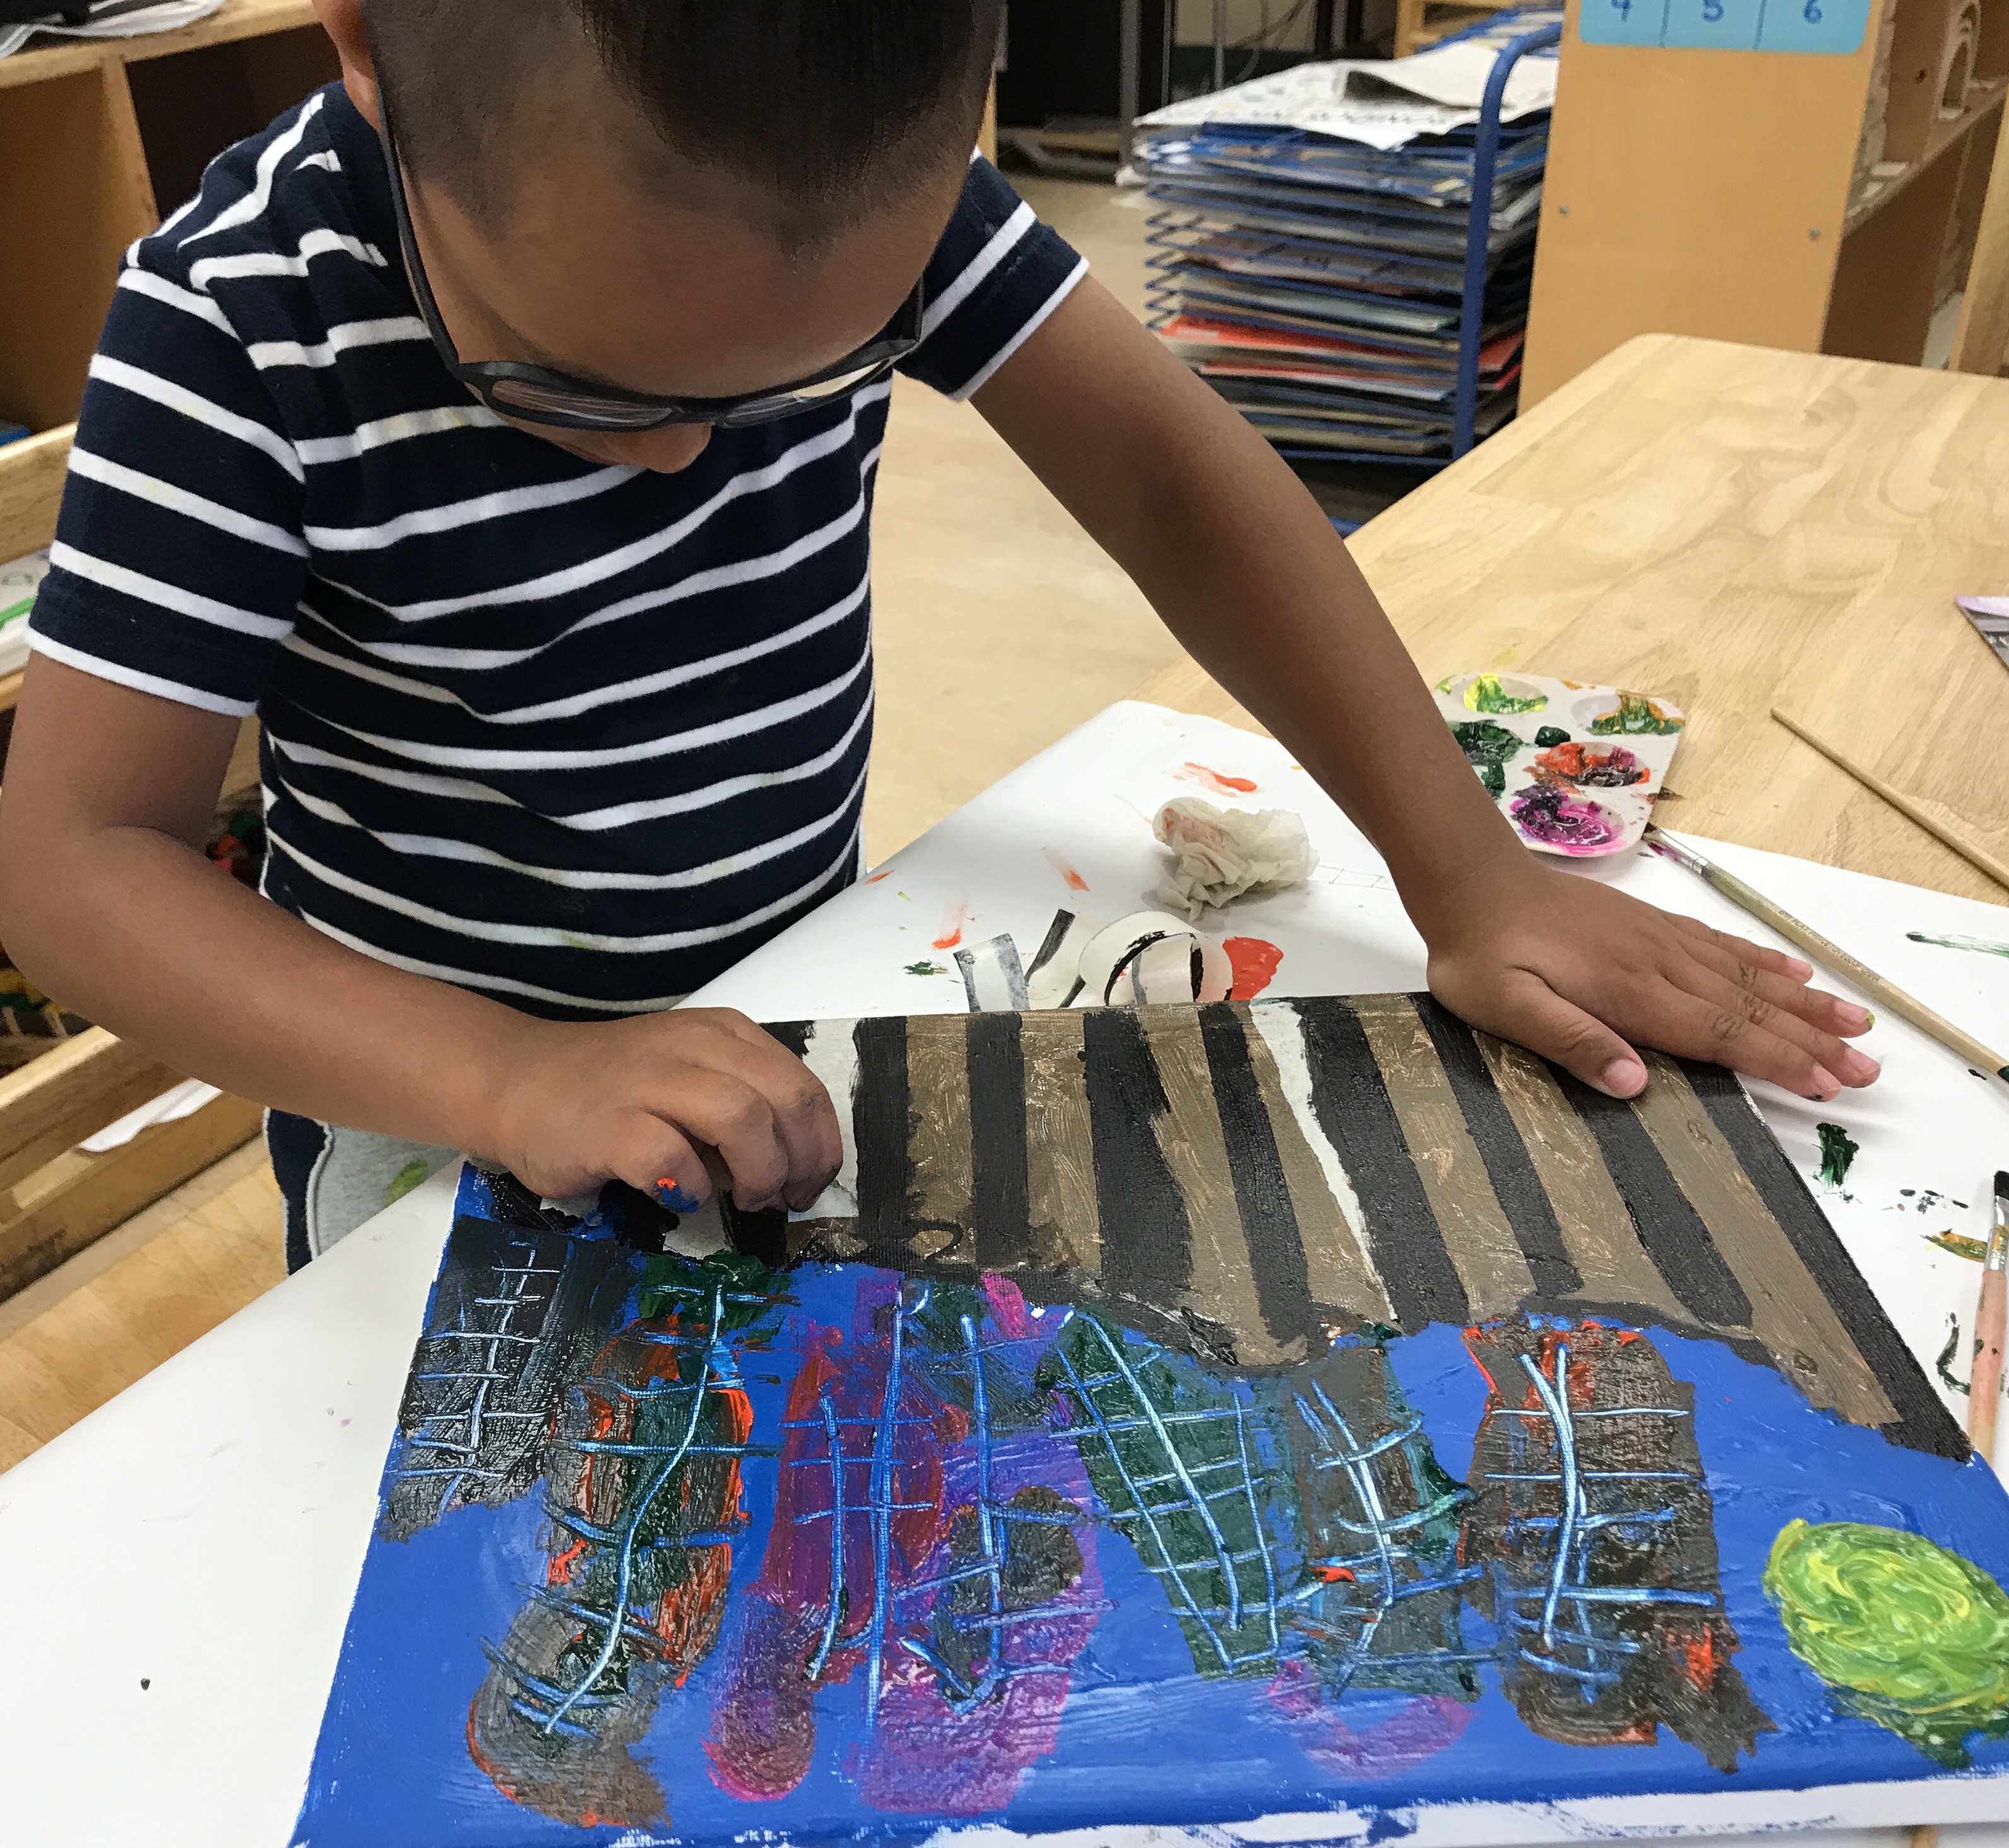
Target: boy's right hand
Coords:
[(661, 1098)]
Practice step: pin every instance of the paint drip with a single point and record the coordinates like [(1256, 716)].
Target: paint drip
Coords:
[(1838, 1151), (1984, 946), (924, 969), (1255, 960), (1974, 1250), (1569, 824), (1584, 768), (1638, 715), (1219, 781), (953, 920), (1904, 1632), (1069, 877)]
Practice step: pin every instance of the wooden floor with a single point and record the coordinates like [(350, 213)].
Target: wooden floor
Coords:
[(999, 626)]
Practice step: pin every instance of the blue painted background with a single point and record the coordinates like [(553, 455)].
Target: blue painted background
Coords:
[(1143, 1739)]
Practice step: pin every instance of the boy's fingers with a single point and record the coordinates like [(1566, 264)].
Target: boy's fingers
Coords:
[(804, 1115), (1740, 1017), (1779, 961), (654, 1158), (1529, 1011), (1825, 1012), (738, 1120)]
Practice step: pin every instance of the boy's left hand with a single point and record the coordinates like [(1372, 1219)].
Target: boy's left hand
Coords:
[(1580, 973)]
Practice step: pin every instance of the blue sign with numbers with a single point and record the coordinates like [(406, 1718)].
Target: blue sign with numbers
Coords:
[(1830, 26)]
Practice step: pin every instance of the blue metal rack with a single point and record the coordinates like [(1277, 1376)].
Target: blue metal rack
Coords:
[(1478, 267)]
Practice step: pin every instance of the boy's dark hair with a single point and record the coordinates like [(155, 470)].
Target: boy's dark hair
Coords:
[(829, 106)]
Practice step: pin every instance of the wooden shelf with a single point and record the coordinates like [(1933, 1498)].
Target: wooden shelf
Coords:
[(1984, 100), (96, 137), (235, 19)]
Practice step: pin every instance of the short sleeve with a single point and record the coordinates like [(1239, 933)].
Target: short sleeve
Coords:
[(179, 559), (995, 277)]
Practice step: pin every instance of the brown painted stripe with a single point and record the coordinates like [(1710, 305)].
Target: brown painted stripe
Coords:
[(1223, 1285), (1483, 1247), (1336, 1268), (1789, 1312), (940, 1213), (1060, 1146), (1597, 1231)]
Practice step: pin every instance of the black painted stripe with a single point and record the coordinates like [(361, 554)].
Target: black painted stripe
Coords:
[(1515, 1184), (1000, 1190), (1146, 1236), (1056, 935), (1671, 1232), (1923, 1421), (793, 1034), (1262, 1194), (878, 1115), (1351, 1099)]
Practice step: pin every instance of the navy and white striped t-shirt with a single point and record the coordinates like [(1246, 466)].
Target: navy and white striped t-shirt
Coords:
[(572, 736)]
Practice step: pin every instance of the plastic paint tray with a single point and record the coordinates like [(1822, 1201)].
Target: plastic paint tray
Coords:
[(1574, 768)]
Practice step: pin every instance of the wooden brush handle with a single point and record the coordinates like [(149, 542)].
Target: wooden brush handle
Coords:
[(1985, 1381)]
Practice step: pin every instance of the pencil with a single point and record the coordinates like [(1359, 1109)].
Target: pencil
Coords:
[(1985, 1382), (1972, 851), (1883, 992)]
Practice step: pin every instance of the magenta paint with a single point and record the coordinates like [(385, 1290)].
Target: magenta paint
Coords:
[(1551, 816)]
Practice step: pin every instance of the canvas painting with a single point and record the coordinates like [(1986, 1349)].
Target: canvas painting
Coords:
[(1179, 1414)]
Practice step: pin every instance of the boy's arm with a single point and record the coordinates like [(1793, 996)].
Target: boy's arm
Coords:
[(107, 900), (1249, 573)]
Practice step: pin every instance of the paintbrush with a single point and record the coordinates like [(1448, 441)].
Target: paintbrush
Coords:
[(1883, 992), (1974, 854), (1985, 1382)]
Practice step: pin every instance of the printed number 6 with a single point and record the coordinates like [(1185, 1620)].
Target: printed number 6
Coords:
[(1811, 12)]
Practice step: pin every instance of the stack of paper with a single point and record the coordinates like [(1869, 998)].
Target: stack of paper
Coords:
[(110, 19), (1311, 258), (18, 582)]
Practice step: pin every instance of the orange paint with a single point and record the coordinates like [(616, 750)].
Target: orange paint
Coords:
[(1220, 784), (873, 879), (1335, 1575), (953, 920), (1255, 960), (1074, 881)]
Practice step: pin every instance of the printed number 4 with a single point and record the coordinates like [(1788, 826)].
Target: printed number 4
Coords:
[(1623, 7)]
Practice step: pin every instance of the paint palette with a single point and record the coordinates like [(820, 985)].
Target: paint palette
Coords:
[(1576, 768)]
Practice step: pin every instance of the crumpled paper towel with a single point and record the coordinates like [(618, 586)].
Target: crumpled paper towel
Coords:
[(1219, 854)]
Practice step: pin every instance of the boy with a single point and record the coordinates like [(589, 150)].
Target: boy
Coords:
[(501, 425)]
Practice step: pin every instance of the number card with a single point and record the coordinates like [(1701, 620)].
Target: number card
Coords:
[(1834, 27)]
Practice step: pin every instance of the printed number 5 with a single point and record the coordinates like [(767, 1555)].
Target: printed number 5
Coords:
[(1711, 11), (1811, 12)]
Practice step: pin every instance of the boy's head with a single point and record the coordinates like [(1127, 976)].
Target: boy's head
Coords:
[(683, 198)]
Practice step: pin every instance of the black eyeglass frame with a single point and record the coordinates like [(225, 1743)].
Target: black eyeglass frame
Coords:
[(640, 413)]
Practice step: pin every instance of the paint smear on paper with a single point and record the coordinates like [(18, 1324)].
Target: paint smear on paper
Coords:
[(1073, 881), (1974, 1250), (1838, 1151), (873, 879), (1216, 780), (926, 968), (1983, 944), (1569, 824), (1255, 960), (1903, 1631), (953, 920), (1943, 1364)]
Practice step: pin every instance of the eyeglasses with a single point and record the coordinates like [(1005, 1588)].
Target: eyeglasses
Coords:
[(534, 395)]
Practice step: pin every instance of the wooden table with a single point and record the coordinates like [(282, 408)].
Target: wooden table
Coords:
[(1738, 528)]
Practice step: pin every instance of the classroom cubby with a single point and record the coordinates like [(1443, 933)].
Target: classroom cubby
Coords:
[(97, 139), (1823, 199)]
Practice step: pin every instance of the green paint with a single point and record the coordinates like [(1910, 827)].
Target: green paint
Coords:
[(405, 1179), (1838, 1151), (1974, 1250), (924, 969), (1944, 1363), (13, 609), (1487, 747), (1904, 1632), (1485, 694), (1549, 736), (1636, 715), (1981, 943)]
